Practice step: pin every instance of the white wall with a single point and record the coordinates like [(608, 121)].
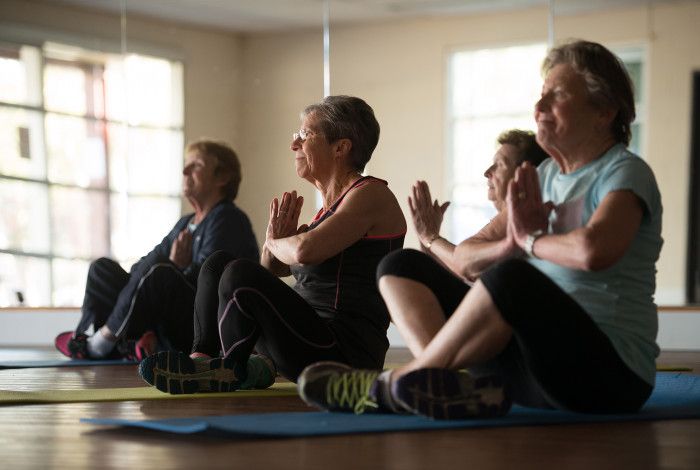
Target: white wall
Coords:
[(677, 330), (399, 68)]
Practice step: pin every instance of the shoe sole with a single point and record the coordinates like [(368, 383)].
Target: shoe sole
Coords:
[(176, 373), (311, 373), (447, 394)]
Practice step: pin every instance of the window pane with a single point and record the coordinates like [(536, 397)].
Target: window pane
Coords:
[(79, 222), (492, 90), (140, 223), (144, 91), (21, 141), (474, 143), (65, 89), (467, 220), (496, 81), (634, 68), (19, 74), (76, 151), (24, 217), (74, 88), (635, 143), (68, 282), (145, 161), (26, 277)]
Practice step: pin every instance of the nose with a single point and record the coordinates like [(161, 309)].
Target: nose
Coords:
[(186, 170), (296, 144), (542, 103), (488, 171)]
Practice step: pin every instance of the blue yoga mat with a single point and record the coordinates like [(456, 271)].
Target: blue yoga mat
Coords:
[(676, 396), (64, 363)]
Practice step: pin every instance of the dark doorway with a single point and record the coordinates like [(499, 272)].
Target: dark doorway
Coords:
[(693, 272)]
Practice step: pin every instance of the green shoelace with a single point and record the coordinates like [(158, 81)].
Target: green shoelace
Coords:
[(350, 390)]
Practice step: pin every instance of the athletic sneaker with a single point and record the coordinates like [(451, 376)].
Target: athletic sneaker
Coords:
[(73, 345), (137, 350), (261, 373), (337, 387), (451, 394), (177, 373)]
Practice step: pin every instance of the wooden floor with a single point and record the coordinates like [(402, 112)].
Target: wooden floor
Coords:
[(50, 436)]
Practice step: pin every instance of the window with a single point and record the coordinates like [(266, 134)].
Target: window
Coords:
[(633, 58), (492, 90), (82, 135)]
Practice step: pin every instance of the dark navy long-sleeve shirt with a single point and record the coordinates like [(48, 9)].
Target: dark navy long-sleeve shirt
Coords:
[(226, 227)]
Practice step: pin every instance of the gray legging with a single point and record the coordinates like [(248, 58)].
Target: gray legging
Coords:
[(557, 358)]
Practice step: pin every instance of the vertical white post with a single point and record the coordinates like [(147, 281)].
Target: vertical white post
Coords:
[(550, 24), (326, 49)]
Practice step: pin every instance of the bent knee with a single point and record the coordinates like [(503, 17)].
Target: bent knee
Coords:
[(398, 262), (513, 269), (242, 273)]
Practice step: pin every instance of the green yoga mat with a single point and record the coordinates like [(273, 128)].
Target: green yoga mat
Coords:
[(14, 397)]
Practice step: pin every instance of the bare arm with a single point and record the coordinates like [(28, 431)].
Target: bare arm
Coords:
[(371, 209), (490, 245), (602, 242), (470, 257), (596, 246)]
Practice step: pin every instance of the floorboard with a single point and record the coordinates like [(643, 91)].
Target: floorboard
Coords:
[(50, 436)]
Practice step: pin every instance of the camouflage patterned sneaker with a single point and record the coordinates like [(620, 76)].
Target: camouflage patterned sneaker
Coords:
[(176, 373), (451, 394), (337, 387)]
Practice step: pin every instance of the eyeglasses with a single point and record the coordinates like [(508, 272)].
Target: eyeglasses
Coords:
[(302, 135)]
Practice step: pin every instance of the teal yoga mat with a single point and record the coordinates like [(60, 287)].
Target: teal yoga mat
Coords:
[(676, 396)]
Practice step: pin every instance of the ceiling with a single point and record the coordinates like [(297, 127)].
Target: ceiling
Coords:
[(273, 15)]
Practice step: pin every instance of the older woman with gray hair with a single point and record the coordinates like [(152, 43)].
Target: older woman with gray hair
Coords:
[(334, 312), (562, 314)]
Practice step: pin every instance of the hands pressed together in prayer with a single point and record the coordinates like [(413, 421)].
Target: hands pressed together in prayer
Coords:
[(284, 216), (427, 214), (526, 211)]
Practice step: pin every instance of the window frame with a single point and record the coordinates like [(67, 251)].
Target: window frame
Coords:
[(46, 58)]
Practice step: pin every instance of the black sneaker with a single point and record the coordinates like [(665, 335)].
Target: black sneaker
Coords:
[(451, 394), (176, 373), (337, 387)]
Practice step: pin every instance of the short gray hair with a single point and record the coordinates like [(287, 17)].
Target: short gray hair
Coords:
[(348, 117), (607, 80), (526, 145)]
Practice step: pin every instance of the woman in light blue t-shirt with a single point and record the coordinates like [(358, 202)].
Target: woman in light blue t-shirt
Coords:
[(562, 312)]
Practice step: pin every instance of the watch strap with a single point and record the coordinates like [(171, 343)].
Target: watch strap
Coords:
[(530, 242)]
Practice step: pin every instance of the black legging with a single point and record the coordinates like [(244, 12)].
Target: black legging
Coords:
[(558, 356), (241, 306), (155, 295)]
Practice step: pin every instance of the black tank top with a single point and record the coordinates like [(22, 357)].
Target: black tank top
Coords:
[(343, 290)]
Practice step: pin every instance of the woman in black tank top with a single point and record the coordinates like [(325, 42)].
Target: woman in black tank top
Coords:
[(334, 311)]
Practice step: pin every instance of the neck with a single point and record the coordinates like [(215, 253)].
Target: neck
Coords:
[(581, 155), (332, 188), (202, 208)]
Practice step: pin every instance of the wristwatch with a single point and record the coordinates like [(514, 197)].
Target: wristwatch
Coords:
[(530, 242)]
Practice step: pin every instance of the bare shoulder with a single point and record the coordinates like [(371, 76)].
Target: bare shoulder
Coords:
[(373, 199)]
